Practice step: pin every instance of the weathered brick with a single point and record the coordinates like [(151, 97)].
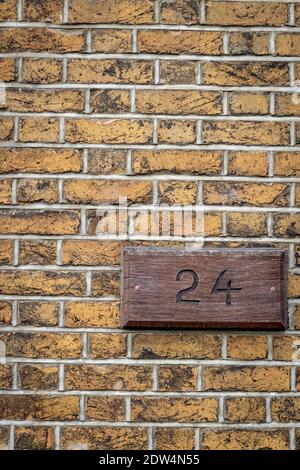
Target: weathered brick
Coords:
[(7, 70), (42, 160), (55, 101), (177, 161), (248, 43), (286, 348), (237, 439), (285, 105), (41, 40), (92, 314), (4, 438), (178, 102), (39, 130), (110, 71), (5, 313), (47, 10), (174, 439), (110, 101), (294, 285), (37, 252), (212, 224), (112, 131), (246, 13), (91, 252), (297, 132), (38, 377), (247, 163), (40, 222), (246, 132), (296, 317), (5, 377), (174, 72), (245, 410), (177, 378), (286, 409), (287, 44), (5, 192), (105, 408), (107, 192), (297, 15), (6, 251), (180, 42), (246, 224), (8, 10), (181, 409), (109, 377), (247, 348), (122, 11), (107, 161), (177, 192), (42, 345), (107, 345), (252, 194), (105, 284), (247, 378), (286, 225), (297, 254), (111, 40), (120, 438), (41, 283), (42, 70), (6, 128), (249, 103), (38, 313), (176, 132), (245, 73), (34, 438), (37, 190), (297, 195), (35, 407), (176, 346), (180, 12)]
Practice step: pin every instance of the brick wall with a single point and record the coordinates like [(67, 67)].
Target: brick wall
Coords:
[(167, 102)]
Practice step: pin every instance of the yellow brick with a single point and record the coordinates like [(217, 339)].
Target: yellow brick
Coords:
[(7, 70), (42, 70), (246, 224), (246, 133), (30, 407), (285, 105), (287, 44), (47, 10), (252, 194), (18, 100), (248, 164), (41, 40), (37, 252), (247, 348), (174, 439), (177, 378), (5, 376), (105, 408), (110, 101), (177, 192), (6, 251), (38, 313), (248, 43), (34, 438), (176, 132), (111, 40), (41, 283), (297, 195), (115, 438), (108, 377), (178, 102), (296, 317), (112, 131), (40, 222), (6, 128), (249, 103), (5, 192), (286, 409), (180, 42), (105, 284), (286, 348), (245, 73), (177, 72), (39, 130), (286, 225), (4, 438), (122, 11), (245, 410), (212, 224), (176, 346), (42, 160), (177, 161), (294, 285), (37, 190), (8, 10), (247, 378), (91, 252), (107, 161), (237, 439), (5, 313), (38, 377), (110, 71), (179, 12), (297, 15), (92, 314), (106, 346), (246, 13), (178, 410)]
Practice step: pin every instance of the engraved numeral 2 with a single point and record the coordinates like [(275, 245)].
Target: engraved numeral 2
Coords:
[(187, 289)]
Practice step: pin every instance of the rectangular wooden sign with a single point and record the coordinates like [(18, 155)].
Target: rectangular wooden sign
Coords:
[(220, 288)]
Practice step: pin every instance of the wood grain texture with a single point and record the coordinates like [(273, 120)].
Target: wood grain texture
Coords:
[(151, 298)]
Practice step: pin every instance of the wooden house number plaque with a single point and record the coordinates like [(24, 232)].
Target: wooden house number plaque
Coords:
[(220, 288)]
